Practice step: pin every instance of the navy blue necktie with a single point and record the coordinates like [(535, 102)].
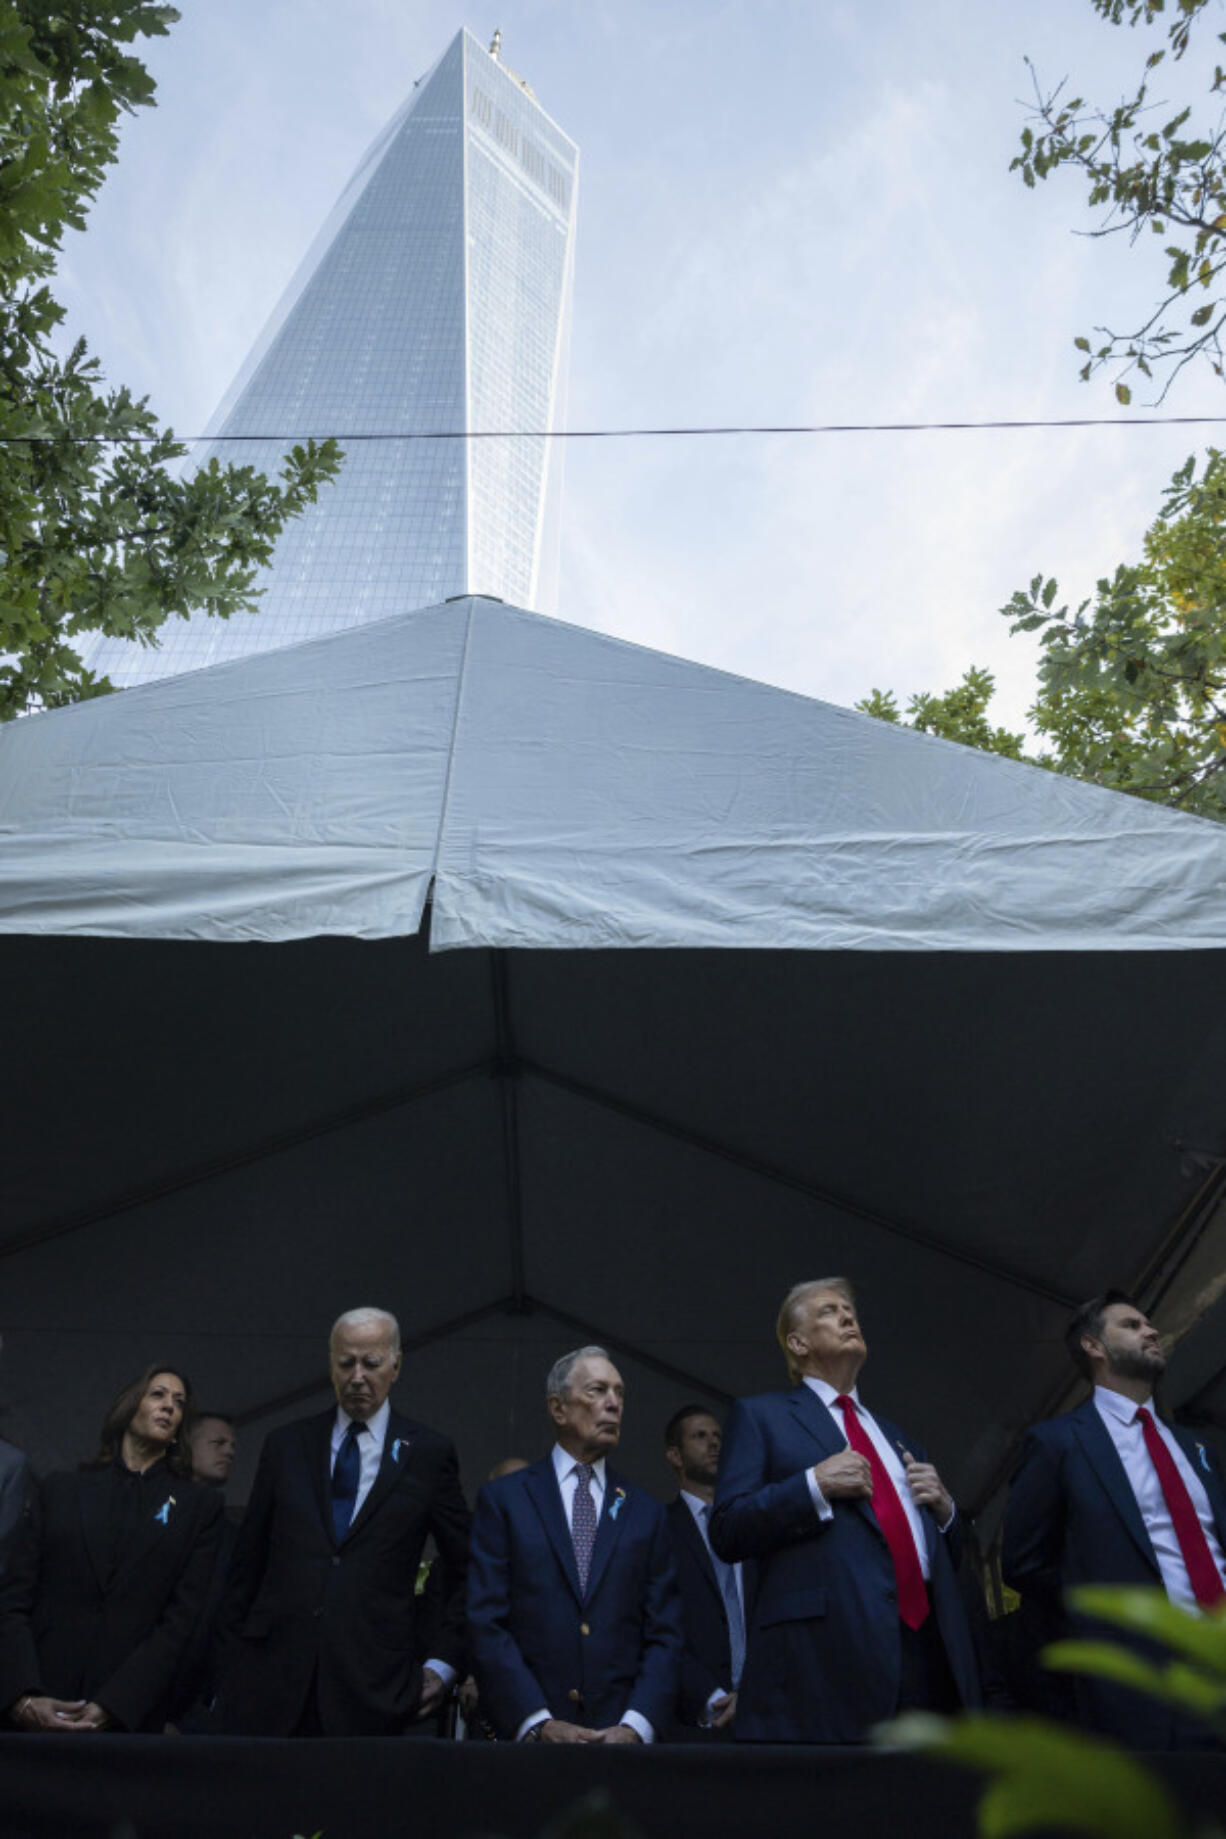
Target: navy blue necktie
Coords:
[(346, 1474)]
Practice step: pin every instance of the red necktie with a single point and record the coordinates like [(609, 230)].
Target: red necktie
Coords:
[(1203, 1575), (892, 1519)]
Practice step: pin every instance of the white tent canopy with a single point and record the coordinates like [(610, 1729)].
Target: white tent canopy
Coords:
[(563, 790), (955, 1039)]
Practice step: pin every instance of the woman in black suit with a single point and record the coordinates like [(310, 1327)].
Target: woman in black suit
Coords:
[(108, 1574)]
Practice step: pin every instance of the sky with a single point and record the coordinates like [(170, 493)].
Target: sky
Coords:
[(787, 213)]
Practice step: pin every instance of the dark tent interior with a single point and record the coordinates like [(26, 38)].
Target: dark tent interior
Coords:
[(210, 1150)]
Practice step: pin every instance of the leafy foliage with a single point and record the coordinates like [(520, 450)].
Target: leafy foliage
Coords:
[(1046, 1776), (959, 715), (1142, 172), (1132, 685), (96, 533)]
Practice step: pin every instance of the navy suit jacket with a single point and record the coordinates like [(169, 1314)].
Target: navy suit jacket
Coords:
[(300, 1609), (824, 1655), (706, 1660), (537, 1640), (1073, 1519)]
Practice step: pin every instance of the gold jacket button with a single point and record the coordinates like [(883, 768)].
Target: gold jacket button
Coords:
[(574, 1695), (584, 1629)]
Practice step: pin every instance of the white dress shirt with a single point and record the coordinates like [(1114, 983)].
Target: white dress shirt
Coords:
[(370, 1453), (1124, 1428), (891, 1460), (566, 1468), (700, 1511)]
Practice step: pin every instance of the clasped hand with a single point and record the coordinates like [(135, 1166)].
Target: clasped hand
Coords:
[(37, 1711), (849, 1476), (557, 1730)]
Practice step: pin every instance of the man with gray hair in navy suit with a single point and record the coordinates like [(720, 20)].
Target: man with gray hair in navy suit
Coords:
[(573, 1612)]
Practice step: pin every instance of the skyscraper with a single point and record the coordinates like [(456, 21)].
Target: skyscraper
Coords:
[(435, 299)]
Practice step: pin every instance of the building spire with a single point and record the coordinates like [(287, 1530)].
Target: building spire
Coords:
[(496, 41)]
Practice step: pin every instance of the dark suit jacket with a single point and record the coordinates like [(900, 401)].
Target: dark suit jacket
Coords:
[(14, 1478), (300, 1610), (538, 1641), (70, 1629), (1072, 1519), (706, 1661), (823, 1655)]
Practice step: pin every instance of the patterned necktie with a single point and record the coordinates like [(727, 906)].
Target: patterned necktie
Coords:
[(725, 1576), (583, 1521), (346, 1474), (1203, 1575), (892, 1519)]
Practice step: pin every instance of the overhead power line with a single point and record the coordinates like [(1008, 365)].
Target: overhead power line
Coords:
[(625, 434)]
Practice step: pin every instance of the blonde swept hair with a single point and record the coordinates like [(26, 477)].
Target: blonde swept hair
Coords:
[(791, 1310)]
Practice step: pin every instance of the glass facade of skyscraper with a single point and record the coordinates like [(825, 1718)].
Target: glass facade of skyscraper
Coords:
[(435, 301)]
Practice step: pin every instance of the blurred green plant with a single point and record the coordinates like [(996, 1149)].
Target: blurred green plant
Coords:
[(1045, 1775)]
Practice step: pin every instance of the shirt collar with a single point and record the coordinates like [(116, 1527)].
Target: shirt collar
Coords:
[(697, 1506), (376, 1425), (1115, 1405), (564, 1465), (828, 1393)]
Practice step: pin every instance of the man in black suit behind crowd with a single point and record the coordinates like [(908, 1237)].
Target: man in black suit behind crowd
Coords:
[(320, 1609), (713, 1594), (1109, 1493)]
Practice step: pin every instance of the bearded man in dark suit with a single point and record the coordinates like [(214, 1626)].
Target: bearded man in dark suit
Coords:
[(1110, 1493), (321, 1608)]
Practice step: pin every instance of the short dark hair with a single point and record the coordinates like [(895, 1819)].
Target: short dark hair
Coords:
[(223, 1417), (1088, 1320), (123, 1409), (672, 1430)]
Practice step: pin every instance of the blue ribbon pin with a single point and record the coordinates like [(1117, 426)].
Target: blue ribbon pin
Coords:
[(616, 1508), (396, 1449), (1203, 1453), (162, 1516)]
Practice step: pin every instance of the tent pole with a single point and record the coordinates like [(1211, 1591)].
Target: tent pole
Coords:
[(508, 1083), (410, 1344), (595, 1333), (784, 1178), (244, 1158)]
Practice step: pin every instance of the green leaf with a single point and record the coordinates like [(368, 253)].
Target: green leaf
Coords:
[(1123, 394), (1196, 1635), (1044, 1775)]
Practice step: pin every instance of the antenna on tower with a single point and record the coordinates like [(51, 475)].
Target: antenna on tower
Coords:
[(496, 41)]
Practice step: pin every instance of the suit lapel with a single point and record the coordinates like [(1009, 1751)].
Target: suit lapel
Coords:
[(928, 1519), (93, 1498), (396, 1446), (608, 1528), (818, 1420), (166, 1503), (1194, 1449), (546, 1496), (318, 1432), (695, 1545), (1104, 1460)]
